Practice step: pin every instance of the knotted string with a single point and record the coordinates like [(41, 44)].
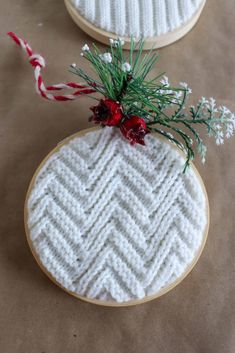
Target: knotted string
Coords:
[(38, 62)]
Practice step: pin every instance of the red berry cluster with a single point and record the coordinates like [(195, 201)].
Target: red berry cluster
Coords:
[(110, 113)]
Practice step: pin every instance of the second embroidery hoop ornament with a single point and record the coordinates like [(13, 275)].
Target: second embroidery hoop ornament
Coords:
[(159, 23), (96, 222)]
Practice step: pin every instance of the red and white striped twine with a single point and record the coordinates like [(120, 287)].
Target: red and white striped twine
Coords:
[(38, 62)]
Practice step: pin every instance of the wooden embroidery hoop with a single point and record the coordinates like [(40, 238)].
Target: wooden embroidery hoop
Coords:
[(150, 43), (100, 302)]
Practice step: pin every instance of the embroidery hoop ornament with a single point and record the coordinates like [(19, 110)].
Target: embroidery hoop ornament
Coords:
[(225, 120), (161, 292)]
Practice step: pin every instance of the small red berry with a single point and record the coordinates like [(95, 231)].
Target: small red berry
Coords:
[(107, 112), (134, 129)]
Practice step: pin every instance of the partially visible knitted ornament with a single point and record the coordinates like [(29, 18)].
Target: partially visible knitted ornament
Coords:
[(113, 223), (159, 22)]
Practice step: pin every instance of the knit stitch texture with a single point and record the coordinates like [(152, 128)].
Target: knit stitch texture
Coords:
[(138, 18), (112, 221)]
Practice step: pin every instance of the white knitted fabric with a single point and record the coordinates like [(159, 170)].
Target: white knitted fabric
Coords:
[(138, 18), (113, 221)]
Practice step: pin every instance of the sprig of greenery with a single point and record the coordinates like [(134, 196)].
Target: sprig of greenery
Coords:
[(123, 77)]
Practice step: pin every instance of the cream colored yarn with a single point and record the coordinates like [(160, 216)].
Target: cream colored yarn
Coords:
[(138, 18), (117, 222)]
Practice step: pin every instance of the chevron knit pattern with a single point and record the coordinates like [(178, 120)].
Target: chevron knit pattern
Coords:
[(115, 222), (138, 18)]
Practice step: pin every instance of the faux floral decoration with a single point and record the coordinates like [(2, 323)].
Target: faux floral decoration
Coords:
[(137, 105), (152, 105)]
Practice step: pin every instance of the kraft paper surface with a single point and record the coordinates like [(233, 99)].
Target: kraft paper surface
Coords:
[(36, 316)]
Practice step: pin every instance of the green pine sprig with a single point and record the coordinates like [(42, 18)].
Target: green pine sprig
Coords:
[(122, 77)]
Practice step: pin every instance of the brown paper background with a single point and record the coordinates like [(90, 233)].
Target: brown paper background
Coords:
[(198, 316)]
